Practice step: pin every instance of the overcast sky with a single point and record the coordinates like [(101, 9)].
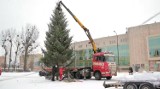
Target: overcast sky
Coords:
[(101, 17)]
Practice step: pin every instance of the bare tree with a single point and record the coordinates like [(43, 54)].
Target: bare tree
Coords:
[(11, 35), (29, 42), (4, 46), (19, 48)]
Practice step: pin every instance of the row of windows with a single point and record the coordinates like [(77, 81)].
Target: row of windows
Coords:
[(110, 42), (80, 46), (121, 40), (123, 53)]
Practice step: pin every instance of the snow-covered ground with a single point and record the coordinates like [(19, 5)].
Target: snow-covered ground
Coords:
[(31, 80)]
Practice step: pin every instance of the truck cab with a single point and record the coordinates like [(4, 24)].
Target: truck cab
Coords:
[(103, 65)]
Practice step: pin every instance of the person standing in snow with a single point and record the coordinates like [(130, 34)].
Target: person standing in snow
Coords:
[(61, 69), (84, 74), (54, 70), (130, 71)]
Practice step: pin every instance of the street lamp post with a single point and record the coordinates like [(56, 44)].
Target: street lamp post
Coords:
[(117, 49), (75, 53)]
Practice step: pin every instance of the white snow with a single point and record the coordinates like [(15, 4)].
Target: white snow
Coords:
[(32, 80), (154, 76)]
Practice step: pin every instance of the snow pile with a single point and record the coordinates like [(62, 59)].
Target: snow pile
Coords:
[(145, 76), (157, 75)]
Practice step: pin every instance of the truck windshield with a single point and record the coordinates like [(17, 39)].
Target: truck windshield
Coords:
[(105, 58), (109, 58)]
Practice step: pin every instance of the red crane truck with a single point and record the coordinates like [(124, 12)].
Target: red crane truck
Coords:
[(103, 63)]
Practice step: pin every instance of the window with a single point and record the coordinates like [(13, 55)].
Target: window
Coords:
[(156, 53), (154, 46), (109, 58), (37, 63), (100, 58), (114, 41), (105, 58), (110, 42), (80, 46)]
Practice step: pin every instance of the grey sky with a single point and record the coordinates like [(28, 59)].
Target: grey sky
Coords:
[(101, 17)]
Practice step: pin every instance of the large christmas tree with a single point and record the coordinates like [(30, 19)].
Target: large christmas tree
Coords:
[(58, 40)]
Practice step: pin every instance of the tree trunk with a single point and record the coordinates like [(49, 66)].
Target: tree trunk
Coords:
[(15, 61), (25, 60), (10, 59), (5, 60)]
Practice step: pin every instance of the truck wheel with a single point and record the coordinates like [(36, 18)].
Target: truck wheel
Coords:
[(130, 86), (97, 76), (146, 86), (40, 73), (88, 75), (78, 75), (108, 77)]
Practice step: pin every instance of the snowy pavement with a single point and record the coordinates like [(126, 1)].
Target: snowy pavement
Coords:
[(32, 80)]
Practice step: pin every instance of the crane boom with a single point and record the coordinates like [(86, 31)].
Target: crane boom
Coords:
[(151, 18), (82, 26)]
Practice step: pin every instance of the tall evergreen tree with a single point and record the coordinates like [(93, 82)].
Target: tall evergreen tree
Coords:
[(58, 40)]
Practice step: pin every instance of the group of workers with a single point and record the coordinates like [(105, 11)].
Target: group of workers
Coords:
[(55, 70)]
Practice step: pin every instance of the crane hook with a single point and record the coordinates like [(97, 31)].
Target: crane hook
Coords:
[(59, 6)]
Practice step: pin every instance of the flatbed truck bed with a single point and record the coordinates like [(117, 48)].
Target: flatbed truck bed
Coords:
[(143, 81), (133, 85)]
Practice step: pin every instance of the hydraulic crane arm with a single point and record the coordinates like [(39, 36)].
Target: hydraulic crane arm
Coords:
[(82, 26)]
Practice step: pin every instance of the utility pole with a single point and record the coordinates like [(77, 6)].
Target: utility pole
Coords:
[(75, 53), (117, 50)]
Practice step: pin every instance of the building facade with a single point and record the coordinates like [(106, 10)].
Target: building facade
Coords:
[(33, 62), (139, 47), (2, 61), (144, 46)]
